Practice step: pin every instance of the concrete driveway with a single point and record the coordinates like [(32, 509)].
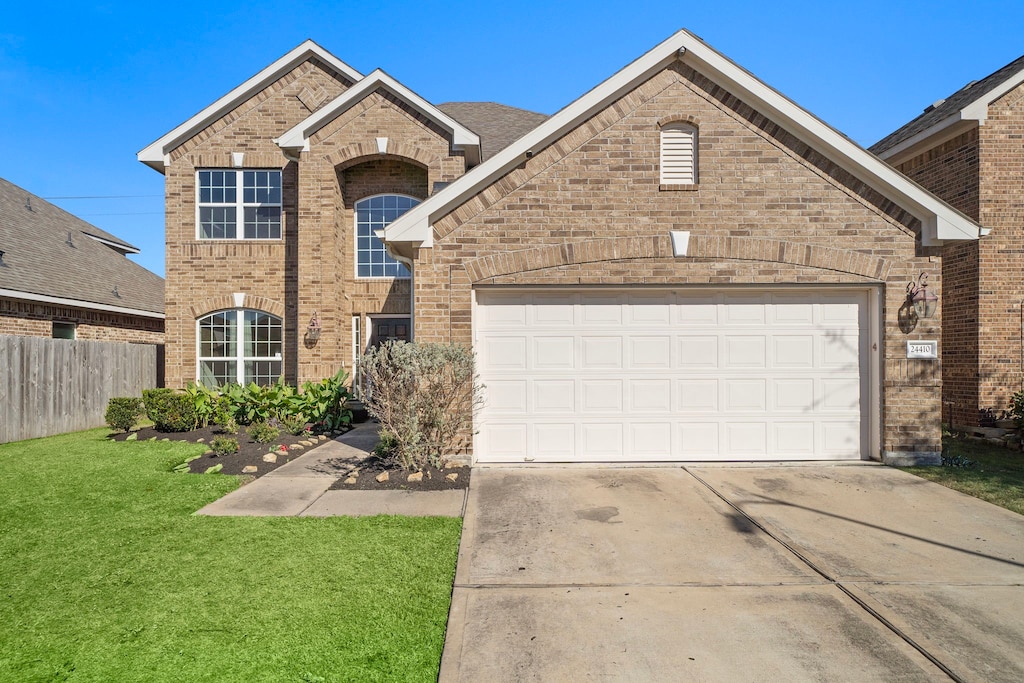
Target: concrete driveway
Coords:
[(803, 573)]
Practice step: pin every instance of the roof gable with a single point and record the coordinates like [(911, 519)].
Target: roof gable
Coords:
[(155, 154), (939, 221), (296, 139), (968, 104), (498, 125), (51, 255)]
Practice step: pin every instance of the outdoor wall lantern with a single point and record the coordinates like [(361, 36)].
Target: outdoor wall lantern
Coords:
[(314, 329), (923, 301)]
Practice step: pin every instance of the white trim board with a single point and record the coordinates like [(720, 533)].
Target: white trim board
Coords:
[(940, 222), (155, 154)]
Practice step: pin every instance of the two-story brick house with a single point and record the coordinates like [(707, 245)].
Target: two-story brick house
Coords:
[(680, 265), (969, 150)]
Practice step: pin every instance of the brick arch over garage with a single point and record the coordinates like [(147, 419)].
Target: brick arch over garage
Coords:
[(225, 302), (701, 246), (359, 151)]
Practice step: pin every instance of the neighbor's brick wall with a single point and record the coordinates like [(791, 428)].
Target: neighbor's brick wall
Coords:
[(1001, 254), (951, 171), (588, 210), (31, 319)]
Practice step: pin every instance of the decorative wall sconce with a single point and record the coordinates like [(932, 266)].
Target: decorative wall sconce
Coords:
[(923, 301), (314, 329)]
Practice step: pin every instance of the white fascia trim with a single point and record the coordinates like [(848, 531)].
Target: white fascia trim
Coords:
[(940, 221), (155, 154), (975, 111), (297, 138), (76, 303), (119, 246)]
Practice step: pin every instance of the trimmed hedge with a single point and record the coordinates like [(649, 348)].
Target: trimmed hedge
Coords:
[(123, 412), (170, 411)]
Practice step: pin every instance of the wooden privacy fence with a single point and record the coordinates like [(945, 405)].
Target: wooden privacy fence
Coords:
[(53, 386)]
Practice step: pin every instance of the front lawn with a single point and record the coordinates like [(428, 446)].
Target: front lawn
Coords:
[(980, 469), (106, 575)]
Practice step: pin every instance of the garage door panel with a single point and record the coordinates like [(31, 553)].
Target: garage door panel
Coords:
[(662, 375)]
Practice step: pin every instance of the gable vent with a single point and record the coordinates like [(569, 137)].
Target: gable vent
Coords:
[(679, 154)]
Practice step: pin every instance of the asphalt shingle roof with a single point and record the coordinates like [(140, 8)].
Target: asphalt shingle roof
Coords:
[(49, 252), (965, 96), (498, 125)]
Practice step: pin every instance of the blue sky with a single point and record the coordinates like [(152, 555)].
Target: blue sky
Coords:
[(85, 85)]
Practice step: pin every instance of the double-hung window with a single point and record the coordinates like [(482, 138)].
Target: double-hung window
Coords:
[(373, 214), (239, 204), (238, 347)]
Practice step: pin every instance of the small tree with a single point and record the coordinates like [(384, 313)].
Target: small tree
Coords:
[(425, 395)]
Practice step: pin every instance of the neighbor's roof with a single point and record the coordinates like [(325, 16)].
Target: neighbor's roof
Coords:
[(939, 221), (969, 103), (155, 154), (53, 257), (498, 125)]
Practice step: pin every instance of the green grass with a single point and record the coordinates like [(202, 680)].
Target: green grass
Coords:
[(106, 575), (994, 474)]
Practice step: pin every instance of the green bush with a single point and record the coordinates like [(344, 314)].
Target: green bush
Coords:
[(224, 445), (123, 412), (170, 411), (325, 403), (424, 395), (294, 424), (228, 425), (1017, 408), (263, 432)]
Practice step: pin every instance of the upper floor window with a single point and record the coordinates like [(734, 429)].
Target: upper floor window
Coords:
[(372, 214), (238, 347), (229, 197), (679, 154)]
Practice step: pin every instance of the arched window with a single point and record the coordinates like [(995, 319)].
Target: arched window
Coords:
[(372, 214), (239, 346), (679, 154)]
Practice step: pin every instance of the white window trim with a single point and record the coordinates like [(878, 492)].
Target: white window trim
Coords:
[(239, 358), (239, 206), (674, 179), (355, 237)]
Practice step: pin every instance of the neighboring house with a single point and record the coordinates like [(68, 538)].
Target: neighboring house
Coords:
[(680, 265), (968, 150), (62, 277)]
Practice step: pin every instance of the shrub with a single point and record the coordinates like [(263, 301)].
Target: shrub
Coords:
[(170, 411), (294, 424), (123, 413), (386, 447), (263, 432), (228, 425), (325, 403), (422, 394), (224, 445), (1017, 408), (206, 402)]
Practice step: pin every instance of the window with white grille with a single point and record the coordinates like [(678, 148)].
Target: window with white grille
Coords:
[(679, 154)]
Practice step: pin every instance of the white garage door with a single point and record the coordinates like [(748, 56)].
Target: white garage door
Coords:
[(644, 375)]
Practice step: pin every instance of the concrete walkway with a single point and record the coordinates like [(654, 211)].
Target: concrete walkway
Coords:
[(300, 488), (805, 573)]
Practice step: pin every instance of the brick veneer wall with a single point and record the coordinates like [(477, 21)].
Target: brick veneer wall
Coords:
[(587, 210), (951, 171), (32, 319), (312, 268)]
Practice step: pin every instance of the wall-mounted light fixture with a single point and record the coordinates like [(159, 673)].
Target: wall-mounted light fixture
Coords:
[(313, 329), (923, 301)]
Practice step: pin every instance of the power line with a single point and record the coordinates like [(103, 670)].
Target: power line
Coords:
[(138, 213)]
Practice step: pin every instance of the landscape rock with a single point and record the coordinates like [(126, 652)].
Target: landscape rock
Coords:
[(200, 440), (270, 457), (351, 480), (452, 477), (382, 477), (306, 442), (208, 453), (415, 476), (296, 447), (131, 437), (249, 469)]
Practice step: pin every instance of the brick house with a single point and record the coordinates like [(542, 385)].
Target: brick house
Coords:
[(680, 265), (63, 277), (968, 150)]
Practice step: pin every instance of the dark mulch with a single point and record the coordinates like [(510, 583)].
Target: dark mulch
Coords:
[(250, 453), (398, 477)]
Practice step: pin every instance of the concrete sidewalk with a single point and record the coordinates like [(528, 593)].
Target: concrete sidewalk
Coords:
[(300, 488), (811, 573)]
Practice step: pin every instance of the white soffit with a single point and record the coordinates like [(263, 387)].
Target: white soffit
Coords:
[(297, 139), (940, 221), (974, 112), (154, 155)]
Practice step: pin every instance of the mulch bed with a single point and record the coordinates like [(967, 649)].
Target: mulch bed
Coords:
[(251, 454)]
